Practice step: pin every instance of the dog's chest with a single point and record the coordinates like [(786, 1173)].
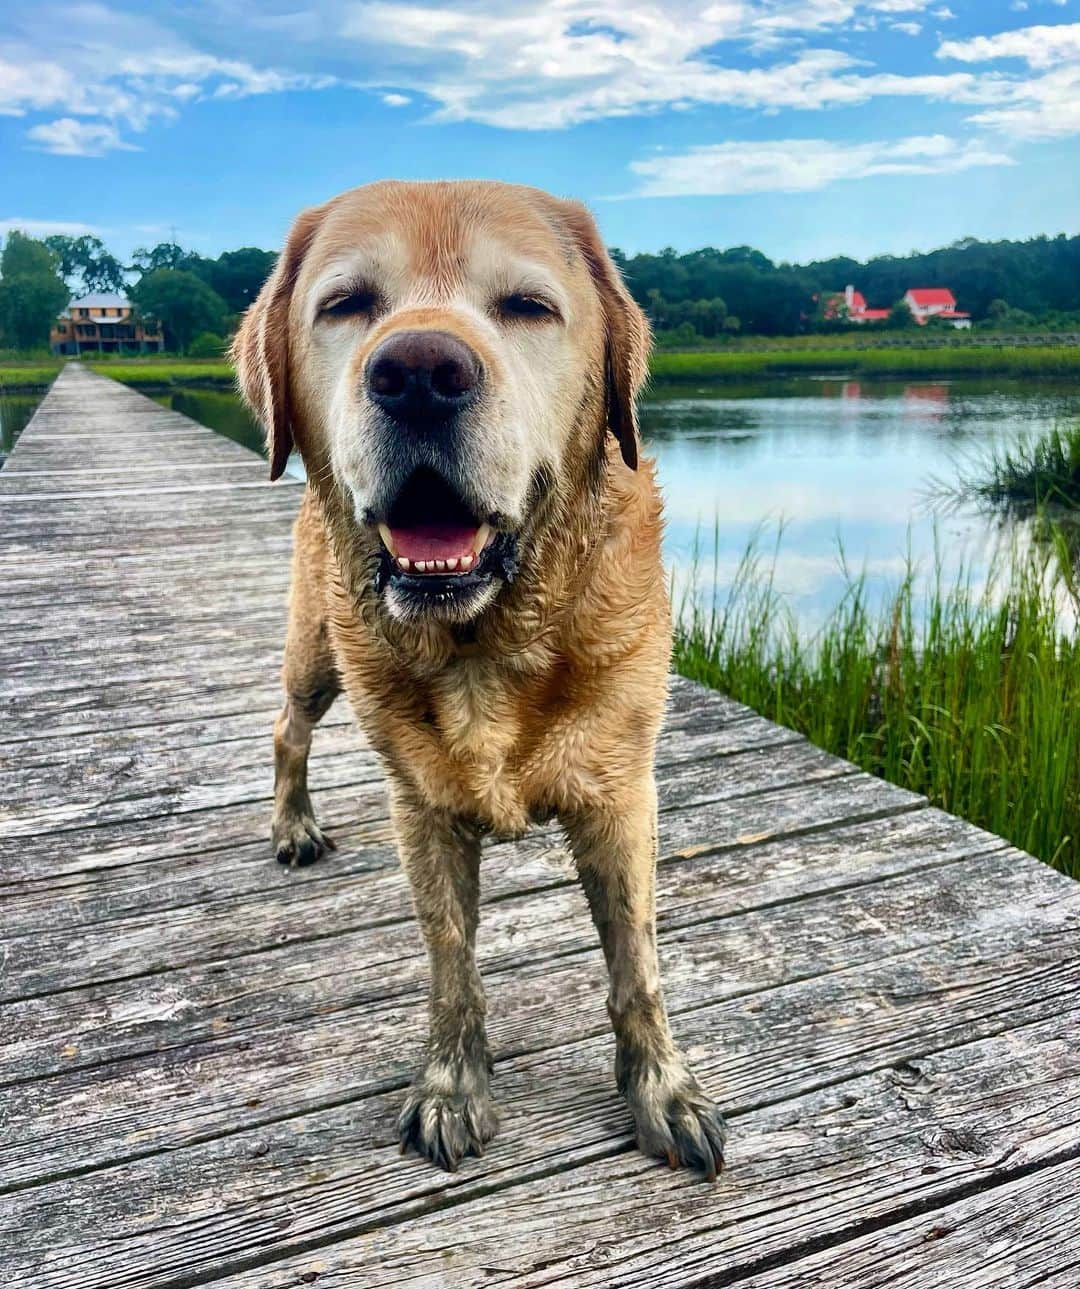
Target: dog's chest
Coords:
[(501, 755)]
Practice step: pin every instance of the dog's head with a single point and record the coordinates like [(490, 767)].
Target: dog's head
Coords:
[(438, 352)]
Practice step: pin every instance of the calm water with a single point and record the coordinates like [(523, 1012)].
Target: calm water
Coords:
[(842, 464), (838, 462)]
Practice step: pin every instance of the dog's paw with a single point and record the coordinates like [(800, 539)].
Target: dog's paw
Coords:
[(678, 1121), (446, 1126), (298, 840)]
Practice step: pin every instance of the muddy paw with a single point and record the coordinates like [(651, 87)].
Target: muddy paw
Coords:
[(298, 840), (676, 1120), (446, 1126)]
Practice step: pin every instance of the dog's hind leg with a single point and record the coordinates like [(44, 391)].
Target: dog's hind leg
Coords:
[(311, 684), (448, 1113), (615, 851)]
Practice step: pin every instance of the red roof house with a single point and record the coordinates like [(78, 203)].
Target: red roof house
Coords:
[(923, 301), (854, 304), (935, 302)]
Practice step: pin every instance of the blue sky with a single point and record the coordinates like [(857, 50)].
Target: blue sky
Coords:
[(803, 127)]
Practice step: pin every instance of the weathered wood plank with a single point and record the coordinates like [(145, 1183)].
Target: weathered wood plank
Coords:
[(195, 1092), (1020, 1234), (89, 482), (162, 772), (697, 782), (303, 950), (30, 960), (876, 1139), (808, 1170), (113, 873)]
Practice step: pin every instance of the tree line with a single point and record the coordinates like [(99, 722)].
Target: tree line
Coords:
[(707, 294), (711, 292), (196, 300)]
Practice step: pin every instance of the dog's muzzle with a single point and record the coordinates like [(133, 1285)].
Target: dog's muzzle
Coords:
[(435, 551)]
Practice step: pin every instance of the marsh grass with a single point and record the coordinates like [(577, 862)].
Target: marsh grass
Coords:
[(28, 375), (944, 360), (1026, 475), (971, 697), (164, 373)]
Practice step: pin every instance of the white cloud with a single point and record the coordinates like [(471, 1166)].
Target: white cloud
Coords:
[(803, 165), (32, 84), (46, 227), (556, 65), (70, 138), (1039, 47), (1046, 108), (111, 73)]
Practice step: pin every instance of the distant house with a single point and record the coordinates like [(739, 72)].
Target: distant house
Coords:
[(857, 310), (851, 307), (102, 322), (927, 302), (923, 301)]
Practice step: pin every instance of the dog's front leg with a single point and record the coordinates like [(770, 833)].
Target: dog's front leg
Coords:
[(615, 851), (448, 1113)]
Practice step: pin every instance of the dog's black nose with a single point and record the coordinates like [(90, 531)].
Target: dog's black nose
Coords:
[(423, 376)]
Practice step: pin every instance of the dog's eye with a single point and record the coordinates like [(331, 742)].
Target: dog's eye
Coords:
[(352, 304), (525, 306)]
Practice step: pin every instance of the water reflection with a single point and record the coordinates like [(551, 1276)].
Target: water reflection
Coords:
[(845, 464), (221, 410)]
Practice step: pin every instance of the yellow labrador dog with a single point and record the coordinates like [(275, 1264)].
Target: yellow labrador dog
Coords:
[(477, 565)]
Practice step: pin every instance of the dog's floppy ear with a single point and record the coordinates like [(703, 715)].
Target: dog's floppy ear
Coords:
[(628, 340), (260, 349)]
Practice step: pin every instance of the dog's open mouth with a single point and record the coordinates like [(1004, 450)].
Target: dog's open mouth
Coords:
[(435, 547), (431, 530)]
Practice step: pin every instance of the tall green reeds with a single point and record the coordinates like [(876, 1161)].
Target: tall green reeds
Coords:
[(971, 697), (1033, 472)]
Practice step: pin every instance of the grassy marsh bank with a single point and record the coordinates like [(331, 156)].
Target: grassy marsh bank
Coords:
[(972, 698), (1027, 361), (166, 373), (36, 375)]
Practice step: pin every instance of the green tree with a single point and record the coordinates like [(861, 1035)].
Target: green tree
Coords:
[(86, 263), (900, 317), (32, 292), (165, 255), (206, 345), (182, 303), (24, 254), (237, 276)]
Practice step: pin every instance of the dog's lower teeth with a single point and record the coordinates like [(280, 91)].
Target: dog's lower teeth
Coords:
[(460, 564)]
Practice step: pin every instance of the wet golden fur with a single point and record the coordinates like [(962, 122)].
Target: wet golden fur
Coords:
[(550, 702)]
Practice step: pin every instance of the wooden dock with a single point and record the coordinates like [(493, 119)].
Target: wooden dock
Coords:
[(202, 1054)]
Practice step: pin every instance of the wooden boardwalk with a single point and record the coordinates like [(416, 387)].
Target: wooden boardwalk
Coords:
[(202, 1054)]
